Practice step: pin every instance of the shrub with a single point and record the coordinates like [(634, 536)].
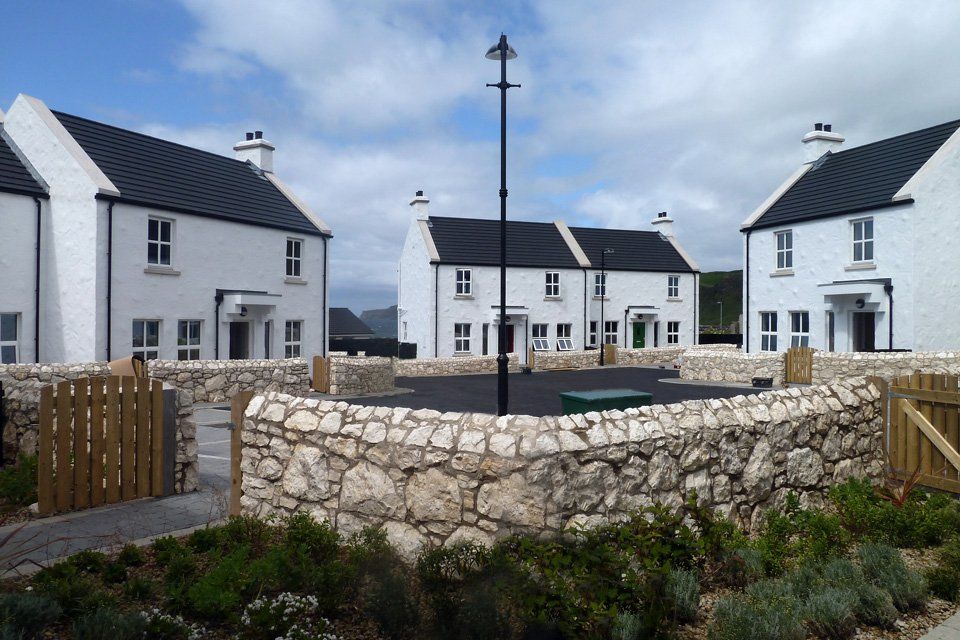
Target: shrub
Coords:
[(287, 615), (204, 540), (163, 626), (683, 594), (742, 566), (803, 580), (391, 605), (771, 589), (842, 573), (319, 539), (293, 569), (745, 618), (217, 594), (884, 567), (628, 626), (874, 606), (256, 534), (18, 482), (105, 623), (74, 591), (181, 567), (114, 573), (131, 556), (944, 578), (26, 614), (88, 561), (795, 535), (166, 548), (140, 588), (829, 613)]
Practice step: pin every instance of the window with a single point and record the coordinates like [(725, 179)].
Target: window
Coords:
[(564, 343), (9, 338), (146, 339), (294, 255), (768, 331), (159, 241), (863, 240), (464, 282), (486, 339), (673, 286), (188, 339), (599, 285), (610, 332), (553, 284), (292, 338), (461, 337), (593, 333), (799, 329), (784, 250), (673, 333), (539, 334), (267, 338)]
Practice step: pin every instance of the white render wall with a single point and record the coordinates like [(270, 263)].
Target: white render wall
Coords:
[(18, 242), (415, 294)]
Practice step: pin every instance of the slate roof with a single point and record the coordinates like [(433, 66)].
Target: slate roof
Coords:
[(152, 172), (632, 250), (14, 177), (474, 241), (857, 179), (344, 322)]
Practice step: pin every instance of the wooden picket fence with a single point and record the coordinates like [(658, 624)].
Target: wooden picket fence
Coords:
[(923, 428), (799, 365), (101, 442)]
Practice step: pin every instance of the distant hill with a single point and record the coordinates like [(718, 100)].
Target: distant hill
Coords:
[(382, 321), (716, 286)]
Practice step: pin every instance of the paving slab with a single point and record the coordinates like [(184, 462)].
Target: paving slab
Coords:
[(949, 629)]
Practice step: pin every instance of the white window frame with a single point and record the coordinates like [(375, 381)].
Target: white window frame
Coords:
[(293, 339), (145, 351), (864, 243), (159, 242), (539, 334), (673, 287), (600, 285), (188, 346), (593, 335), (673, 332), (464, 282), (784, 240), (552, 284), (768, 330), (5, 344), (461, 337), (564, 333), (799, 328), (294, 258), (611, 332)]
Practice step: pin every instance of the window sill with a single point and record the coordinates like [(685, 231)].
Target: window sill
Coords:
[(292, 280), (161, 271), (553, 298), (461, 354), (601, 297), (861, 266), (674, 299), (463, 297), (779, 273)]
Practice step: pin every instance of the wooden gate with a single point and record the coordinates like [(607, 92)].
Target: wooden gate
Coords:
[(101, 441), (321, 375), (923, 431), (799, 365)]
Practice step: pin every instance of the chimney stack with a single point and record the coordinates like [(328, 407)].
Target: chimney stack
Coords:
[(664, 224), (419, 204), (255, 149), (821, 140)]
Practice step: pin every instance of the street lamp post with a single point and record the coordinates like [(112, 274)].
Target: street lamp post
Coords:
[(502, 52), (603, 296), (721, 313)]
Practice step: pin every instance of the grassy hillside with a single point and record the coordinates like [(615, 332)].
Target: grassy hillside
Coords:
[(382, 321), (716, 286)]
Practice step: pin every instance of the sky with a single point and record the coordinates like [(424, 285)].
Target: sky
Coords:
[(626, 108)]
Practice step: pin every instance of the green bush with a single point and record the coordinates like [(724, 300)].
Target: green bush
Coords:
[(795, 535), (74, 591), (746, 618), (166, 548), (803, 580), (683, 594), (256, 534), (216, 595), (390, 603), (131, 556), (114, 573), (18, 482), (204, 540), (628, 626), (88, 561), (944, 578), (107, 624), (26, 614), (842, 573), (874, 606), (286, 615), (829, 613), (883, 566), (741, 567), (140, 588), (319, 539)]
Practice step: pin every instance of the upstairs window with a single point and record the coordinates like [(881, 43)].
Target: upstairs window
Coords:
[(599, 285), (784, 250), (553, 284), (610, 332), (539, 335), (146, 339), (673, 332), (768, 331), (159, 241), (188, 340), (9, 338), (799, 329), (293, 338), (461, 337), (464, 282), (673, 286), (863, 240), (564, 343), (294, 255)]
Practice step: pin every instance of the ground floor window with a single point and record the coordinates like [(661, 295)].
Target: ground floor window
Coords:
[(188, 340), (564, 342), (610, 333), (146, 339), (593, 333), (461, 337), (673, 332), (486, 339), (292, 338), (9, 338), (768, 331), (539, 335), (799, 329)]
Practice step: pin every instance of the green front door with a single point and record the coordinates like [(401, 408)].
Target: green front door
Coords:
[(639, 333)]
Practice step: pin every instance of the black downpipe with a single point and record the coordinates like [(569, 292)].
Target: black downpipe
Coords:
[(888, 289), (109, 277), (436, 311), (625, 313), (326, 279), (218, 299), (586, 320), (746, 298), (36, 291)]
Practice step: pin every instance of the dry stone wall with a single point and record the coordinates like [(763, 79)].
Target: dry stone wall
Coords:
[(221, 380), (419, 367), (728, 365), (649, 355), (431, 478), (360, 375), (547, 360)]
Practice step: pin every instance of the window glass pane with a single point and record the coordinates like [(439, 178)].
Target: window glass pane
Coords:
[(137, 333), (152, 253), (165, 231), (8, 354), (164, 254), (858, 252), (868, 229), (153, 333), (8, 327), (858, 231), (152, 232), (182, 333), (868, 250)]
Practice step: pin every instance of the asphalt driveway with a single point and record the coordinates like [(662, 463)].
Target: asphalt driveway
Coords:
[(537, 394)]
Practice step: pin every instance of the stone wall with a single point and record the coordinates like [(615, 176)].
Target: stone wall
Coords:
[(187, 470), (419, 367), (583, 359), (433, 479), (649, 355), (728, 365), (220, 380), (360, 375)]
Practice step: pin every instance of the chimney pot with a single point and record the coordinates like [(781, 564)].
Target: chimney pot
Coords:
[(420, 192), (662, 214), (249, 135), (258, 135), (828, 127), (818, 126)]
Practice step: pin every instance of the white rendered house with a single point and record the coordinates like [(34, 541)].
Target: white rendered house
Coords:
[(158, 249), (855, 251), (449, 286)]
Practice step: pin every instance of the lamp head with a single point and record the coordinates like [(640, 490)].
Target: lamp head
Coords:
[(493, 53), (608, 250)]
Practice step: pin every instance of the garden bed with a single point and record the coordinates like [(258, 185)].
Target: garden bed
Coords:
[(835, 572)]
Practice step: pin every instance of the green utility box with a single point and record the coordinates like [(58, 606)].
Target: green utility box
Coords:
[(602, 400)]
